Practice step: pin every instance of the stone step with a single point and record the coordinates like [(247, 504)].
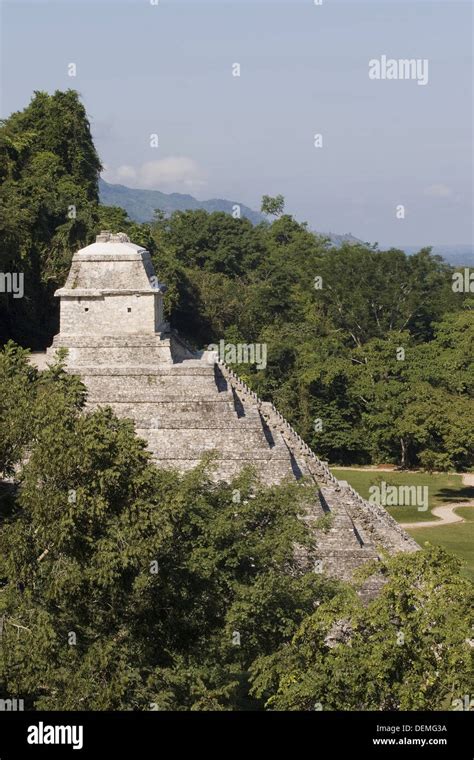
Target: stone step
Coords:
[(192, 443), (343, 563), (181, 384), (376, 523), (104, 395), (186, 369), (171, 414)]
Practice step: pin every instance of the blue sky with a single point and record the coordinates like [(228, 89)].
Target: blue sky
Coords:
[(167, 69)]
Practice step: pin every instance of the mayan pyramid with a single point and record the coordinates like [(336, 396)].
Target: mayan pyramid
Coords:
[(185, 404)]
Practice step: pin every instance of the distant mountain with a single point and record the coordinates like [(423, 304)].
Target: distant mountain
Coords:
[(338, 239), (141, 204), (456, 255)]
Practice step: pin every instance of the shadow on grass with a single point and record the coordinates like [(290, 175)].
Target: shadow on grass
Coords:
[(456, 494)]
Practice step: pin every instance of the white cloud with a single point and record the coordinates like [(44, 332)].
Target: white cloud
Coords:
[(438, 191), (126, 173), (174, 172)]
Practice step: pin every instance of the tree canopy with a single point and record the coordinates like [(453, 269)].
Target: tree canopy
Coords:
[(49, 171), (126, 587)]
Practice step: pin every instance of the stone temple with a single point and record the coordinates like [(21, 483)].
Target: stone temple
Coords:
[(185, 404)]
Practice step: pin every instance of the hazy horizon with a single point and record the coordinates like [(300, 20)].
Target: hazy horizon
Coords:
[(406, 246)]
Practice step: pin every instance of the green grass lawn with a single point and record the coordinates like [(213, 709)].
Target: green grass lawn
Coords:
[(443, 488), (458, 539)]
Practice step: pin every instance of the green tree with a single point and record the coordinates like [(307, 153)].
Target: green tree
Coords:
[(124, 585), (408, 649), (272, 206), (49, 172)]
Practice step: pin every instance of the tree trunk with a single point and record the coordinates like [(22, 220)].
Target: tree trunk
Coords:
[(403, 451)]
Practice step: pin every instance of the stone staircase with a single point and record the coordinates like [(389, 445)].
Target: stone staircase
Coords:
[(359, 530)]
